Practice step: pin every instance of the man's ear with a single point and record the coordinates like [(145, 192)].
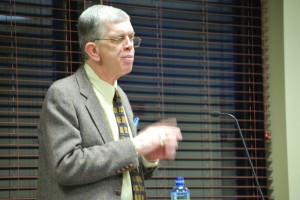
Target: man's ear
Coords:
[(91, 50)]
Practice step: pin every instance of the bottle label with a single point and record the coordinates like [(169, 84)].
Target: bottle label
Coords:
[(181, 198), (175, 196)]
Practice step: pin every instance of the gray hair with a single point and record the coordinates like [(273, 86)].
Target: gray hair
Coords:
[(92, 23)]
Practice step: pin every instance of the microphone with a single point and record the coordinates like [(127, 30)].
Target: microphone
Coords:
[(217, 114)]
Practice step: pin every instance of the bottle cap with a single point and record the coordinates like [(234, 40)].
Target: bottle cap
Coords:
[(179, 180)]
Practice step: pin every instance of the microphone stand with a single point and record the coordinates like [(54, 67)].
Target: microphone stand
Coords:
[(216, 114)]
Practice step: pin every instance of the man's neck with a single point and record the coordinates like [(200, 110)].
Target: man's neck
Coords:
[(101, 73)]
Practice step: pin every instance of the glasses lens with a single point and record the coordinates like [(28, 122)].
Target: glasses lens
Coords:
[(119, 40), (136, 41)]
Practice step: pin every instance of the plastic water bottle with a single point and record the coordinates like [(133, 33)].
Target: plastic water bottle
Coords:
[(180, 191)]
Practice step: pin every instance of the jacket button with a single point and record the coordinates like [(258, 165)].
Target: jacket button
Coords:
[(118, 192)]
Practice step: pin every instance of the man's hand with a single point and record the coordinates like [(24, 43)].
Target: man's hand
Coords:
[(159, 140)]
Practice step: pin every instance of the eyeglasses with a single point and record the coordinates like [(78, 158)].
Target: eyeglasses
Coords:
[(123, 39)]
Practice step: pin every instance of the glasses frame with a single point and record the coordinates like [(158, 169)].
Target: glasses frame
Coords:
[(136, 41)]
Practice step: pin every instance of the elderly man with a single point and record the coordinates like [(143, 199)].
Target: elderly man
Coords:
[(89, 148)]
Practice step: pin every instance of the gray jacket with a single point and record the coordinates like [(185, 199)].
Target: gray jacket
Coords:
[(77, 156)]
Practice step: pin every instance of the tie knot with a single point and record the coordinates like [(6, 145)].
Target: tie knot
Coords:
[(117, 98)]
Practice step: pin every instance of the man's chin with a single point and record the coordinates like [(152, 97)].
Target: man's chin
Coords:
[(128, 69)]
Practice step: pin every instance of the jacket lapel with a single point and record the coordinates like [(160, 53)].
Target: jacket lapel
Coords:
[(92, 104)]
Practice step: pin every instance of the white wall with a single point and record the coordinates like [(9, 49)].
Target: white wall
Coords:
[(284, 63), (292, 92)]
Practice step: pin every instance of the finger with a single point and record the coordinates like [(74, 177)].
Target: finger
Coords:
[(172, 131), (170, 153), (170, 147), (166, 122), (179, 135)]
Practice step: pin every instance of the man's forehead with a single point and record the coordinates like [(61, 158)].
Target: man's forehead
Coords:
[(124, 27)]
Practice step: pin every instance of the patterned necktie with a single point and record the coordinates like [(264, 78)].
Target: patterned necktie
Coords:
[(137, 183)]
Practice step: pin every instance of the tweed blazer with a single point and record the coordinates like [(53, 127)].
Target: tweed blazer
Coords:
[(78, 158)]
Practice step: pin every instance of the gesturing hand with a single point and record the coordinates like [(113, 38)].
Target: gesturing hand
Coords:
[(159, 140)]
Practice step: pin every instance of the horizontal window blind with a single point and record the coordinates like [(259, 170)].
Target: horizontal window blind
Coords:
[(195, 57), (35, 50)]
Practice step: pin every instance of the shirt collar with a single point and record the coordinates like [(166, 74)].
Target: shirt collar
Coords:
[(106, 89)]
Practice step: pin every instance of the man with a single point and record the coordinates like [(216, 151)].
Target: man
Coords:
[(81, 153)]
